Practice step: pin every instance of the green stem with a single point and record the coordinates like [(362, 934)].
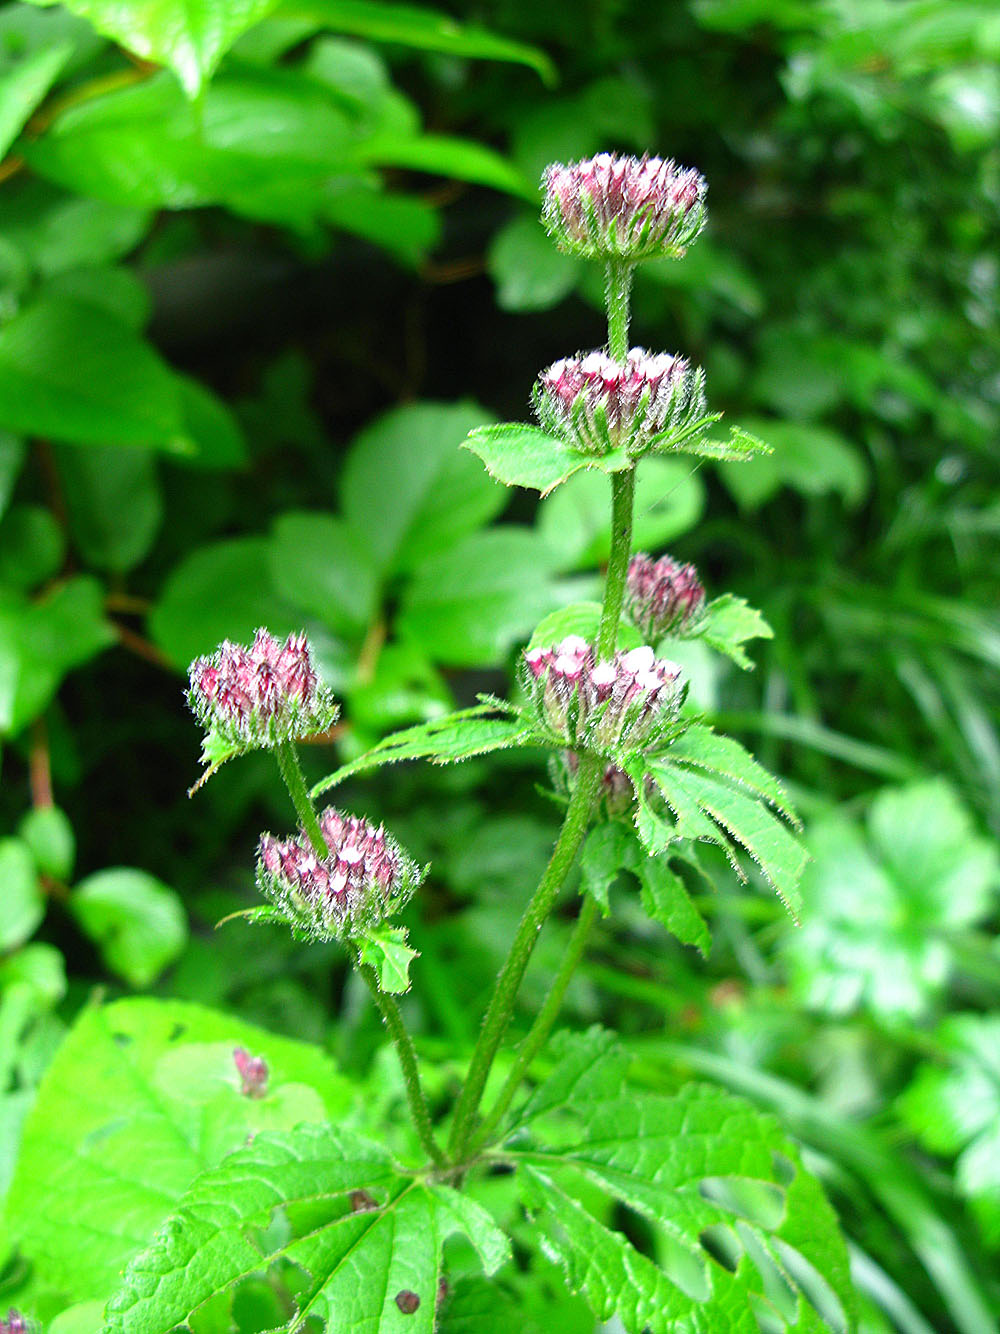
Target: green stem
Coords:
[(419, 1114), (622, 504), (619, 287), (538, 1033), (502, 1002), (291, 771)]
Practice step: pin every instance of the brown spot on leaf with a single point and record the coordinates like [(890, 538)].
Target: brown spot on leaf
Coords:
[(407, 1301)]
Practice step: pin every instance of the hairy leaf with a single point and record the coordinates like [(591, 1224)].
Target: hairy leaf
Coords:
[(728, 623)]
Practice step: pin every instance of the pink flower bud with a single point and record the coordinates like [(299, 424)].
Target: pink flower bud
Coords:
[(628, 702), (261, 695), (364, 877), (663, 597), (597, 404), (14, 1324), (252, 1071), (610, 207)]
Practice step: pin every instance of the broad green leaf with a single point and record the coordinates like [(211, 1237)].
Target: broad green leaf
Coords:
[(114, 289), (190, 36), (605, 854), (519, 455), (384, 949), (372, 1268), (437, 494), (467, 606), (24, 86), (22, 901), (41, 969), (458, 736), (728, 623), (529, 272), (579, 618), (223, 591), (82, 1318), (424, 29), (576, 521), (32, 546), (320, 564), (701, 747), (138, 923), (141, 1097), (666, 899), (491, 1245), (70, 371), (460, 159), (812, 459), (879, 902), (43, 640), (59, 233), (49, 834), (405, 226), (742, 1231), (212, 427), (114, 502), (589, 1067)]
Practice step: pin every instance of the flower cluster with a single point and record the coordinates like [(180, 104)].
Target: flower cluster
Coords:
[(630, 701), (662, 596), (597, 404), (252, 1071), (261, 695), (610, 207), (14, 1324), (364, 877)]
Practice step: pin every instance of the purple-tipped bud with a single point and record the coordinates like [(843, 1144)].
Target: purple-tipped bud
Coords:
[(616, 786), (363, 879), (662, 596), (261, 695), (610, 207), (597, 404), (14, 1324), (630, 701), (252, 1071)]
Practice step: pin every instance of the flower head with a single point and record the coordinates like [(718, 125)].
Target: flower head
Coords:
[(364, 878), (598, 404), (14, 1324), (252, 1071), (662, 596), (630, 701), (260, 695), (609, 207)]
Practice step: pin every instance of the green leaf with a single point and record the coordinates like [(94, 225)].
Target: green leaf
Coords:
[(211, 425), (59, 233), (579, 618), (222, 591), (113, 289), (49, 834), (666, 900), (491, 1245), (24, 86), (519, 455), (458, 736), (467, 606), (384, 948), (811, 459), (41, 641), (442, 155), (220, 1236), (605, 854), (321, 565), (32, 546), (82, 1318), (114, 502), (744, 1235), (141, 1097), (70, 371), (425, 29), (22, 902), (138, 922), (576, 521), (12, 453), (407, 227), (701, 747), (529, 272), (740, 446), (190, 36), (728, 623), (437, 496)]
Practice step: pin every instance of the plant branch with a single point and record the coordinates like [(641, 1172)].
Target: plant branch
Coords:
[(291, 771), (419, 1114), (622, 505), (538, 1034)]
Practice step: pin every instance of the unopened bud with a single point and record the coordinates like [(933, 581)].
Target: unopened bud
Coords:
[(662, 596), (610, 207), (364, 877), (628, 702), (261, 695), (14, 1324), (597, 404), (252, 1071)]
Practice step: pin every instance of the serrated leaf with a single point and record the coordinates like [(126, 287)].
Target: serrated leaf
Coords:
[(384, 949), (666, 900), (605, 853), (702, 747), (119, 1130), (457, 736), (740, 446), (728, 623), (715, 1177), (190, 36), (589, 1065), (520, 455), (492, 1245)]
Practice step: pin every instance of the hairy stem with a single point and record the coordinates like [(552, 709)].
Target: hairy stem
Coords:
[(622, 505), (538, 1033), (502, 1002), (419, 1114), (619, 287), (291, 771)]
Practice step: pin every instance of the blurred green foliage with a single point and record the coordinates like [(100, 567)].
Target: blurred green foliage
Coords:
[(259, 275)]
